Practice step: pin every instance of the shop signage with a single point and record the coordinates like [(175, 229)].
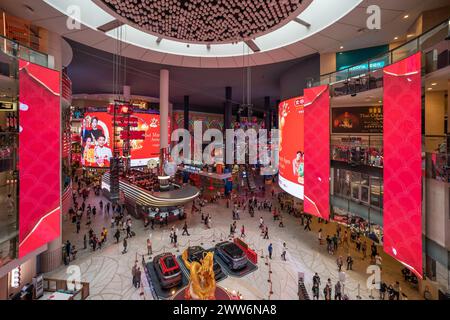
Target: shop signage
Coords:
[(357, 120)]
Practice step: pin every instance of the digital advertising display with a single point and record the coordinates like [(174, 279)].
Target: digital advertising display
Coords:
[(317, 151), (358, 120), (402, 201), (291, 147), (97, 136), (39, 157)]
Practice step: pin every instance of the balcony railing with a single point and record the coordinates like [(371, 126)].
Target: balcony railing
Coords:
[(367, 74), (17, 50)]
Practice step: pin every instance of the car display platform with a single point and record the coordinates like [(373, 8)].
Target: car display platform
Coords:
[(234, 273), (163, 293)]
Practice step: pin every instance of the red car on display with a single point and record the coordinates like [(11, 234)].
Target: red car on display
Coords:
[(167, 270)]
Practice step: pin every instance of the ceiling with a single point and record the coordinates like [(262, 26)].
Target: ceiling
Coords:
[(200, 21), (91, 72), (333, 24)]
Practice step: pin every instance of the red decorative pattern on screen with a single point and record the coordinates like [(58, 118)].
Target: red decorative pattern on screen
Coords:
[(317, 152), (39, 154), (402, 213)]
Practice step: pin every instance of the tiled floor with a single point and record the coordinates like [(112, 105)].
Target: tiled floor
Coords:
[(109, 271)]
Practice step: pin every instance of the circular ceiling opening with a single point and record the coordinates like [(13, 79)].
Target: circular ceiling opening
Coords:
[(206, 21)]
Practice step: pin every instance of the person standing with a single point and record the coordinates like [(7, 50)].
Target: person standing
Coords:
[(378, 261), (137, 282), (68, 247), (320, 236), (175, 239), (316, 279), (149, 247), (349, 262), (243, 231), (270, 250), (337, 291), (125, 244), (85, 241), (364, 249), (383, 288), (117, 235), (315, 291), (339, 263), (284, 252), (78, 225), (133, 274)]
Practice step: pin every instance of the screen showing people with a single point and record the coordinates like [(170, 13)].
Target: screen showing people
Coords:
[(97, 139), (96, 135), (291, 151)]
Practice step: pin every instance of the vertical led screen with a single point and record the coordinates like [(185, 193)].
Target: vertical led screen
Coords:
[(402, 203), (291, 147), (39, 156), (97, 137), (317, 151)]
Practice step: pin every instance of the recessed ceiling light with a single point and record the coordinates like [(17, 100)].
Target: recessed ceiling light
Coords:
[(409, 35), (396, 38), (341, 47), (406, 16), (379, 101), (434, 84), (429, 89)]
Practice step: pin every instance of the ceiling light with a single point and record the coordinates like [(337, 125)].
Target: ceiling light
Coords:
[(406, 16), (396, 38), (429, 89), (434, 84), (409, 35), (379, 101), (341, 47)]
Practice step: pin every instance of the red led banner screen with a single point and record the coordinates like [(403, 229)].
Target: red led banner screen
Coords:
[(402, 203), (39, 157), (317, 151)]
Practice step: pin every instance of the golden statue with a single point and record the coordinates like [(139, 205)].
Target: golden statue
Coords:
[(202, 285)]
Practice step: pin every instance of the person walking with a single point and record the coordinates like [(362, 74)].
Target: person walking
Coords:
[(175, 239), (383, 288), (266, 233), (78, 224), (320, 236), (185, 230), (270, 250), (243, 231), (307, 225)]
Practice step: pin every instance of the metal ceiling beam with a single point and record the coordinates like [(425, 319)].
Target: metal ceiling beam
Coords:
[(302, 22), (252, 45), (110, 26)]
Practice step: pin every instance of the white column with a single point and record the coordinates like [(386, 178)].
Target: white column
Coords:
[(164, 107)]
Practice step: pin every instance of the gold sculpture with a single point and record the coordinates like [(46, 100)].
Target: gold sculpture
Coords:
[(202, 285)]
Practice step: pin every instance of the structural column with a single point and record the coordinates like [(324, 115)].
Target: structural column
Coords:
[(228, 115), (186, 112), (164, 117), (268, 112)]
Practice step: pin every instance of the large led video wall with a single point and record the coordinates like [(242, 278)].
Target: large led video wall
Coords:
[(39, 157), (317, 151), (97, 136), (291, 176), (402, 203), (304, 149)]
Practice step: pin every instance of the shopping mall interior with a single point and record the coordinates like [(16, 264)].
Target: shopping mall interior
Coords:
[(224, 150)]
